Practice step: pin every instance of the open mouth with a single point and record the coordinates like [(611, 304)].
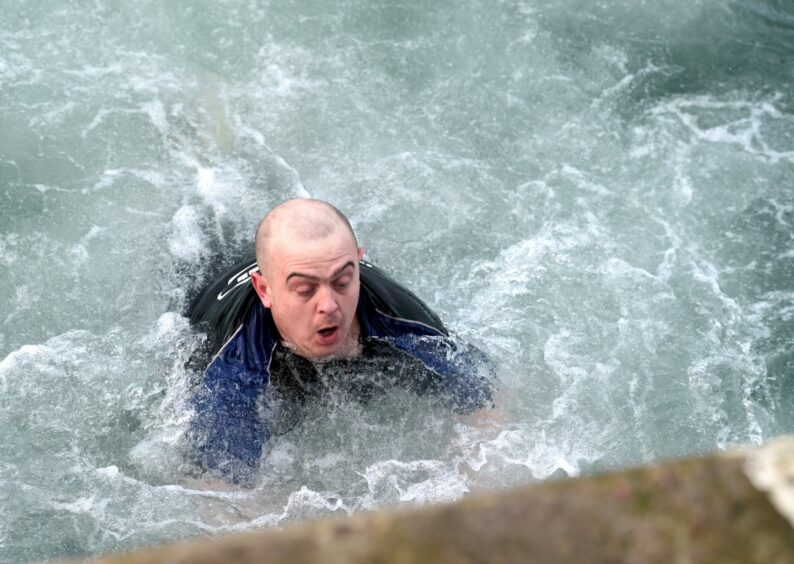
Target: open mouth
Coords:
[(328, 336), (327, 331)]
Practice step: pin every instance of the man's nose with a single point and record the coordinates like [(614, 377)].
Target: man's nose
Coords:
[(326, 300)]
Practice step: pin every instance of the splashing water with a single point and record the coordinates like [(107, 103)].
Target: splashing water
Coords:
[(597, 195)]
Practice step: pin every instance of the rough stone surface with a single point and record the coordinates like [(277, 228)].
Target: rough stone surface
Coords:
[(690, 511), (771, 469)]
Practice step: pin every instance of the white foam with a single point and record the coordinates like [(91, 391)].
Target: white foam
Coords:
[(53, 117), (79, 250), (311, 501), (80, 505), (534, 450), (187, 240), (153, 110), (110, 176), (582, 182), (282, 74), (619, 60), (8, 256), (746, 131), (96, 72), (564, 364), (98, 118), (682, 184), (416, 481), (156, 112), (205, 182)]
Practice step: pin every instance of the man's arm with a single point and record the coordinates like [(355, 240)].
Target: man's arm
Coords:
[(226, 434), (460, 375)]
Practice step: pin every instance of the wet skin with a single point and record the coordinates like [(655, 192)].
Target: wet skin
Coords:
[(312, 288)]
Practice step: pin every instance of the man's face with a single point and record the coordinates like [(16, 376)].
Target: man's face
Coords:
[(312, 288)]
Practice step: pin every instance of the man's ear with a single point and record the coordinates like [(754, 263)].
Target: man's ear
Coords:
[(262, 289), (360, 253)]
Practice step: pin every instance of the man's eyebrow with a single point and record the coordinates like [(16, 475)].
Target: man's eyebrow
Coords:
[(313, 278)]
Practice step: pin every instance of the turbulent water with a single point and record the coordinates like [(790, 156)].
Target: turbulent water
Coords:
[(598, 195)]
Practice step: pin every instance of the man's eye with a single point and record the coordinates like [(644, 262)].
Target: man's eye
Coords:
[(304, 291), (342, 283)]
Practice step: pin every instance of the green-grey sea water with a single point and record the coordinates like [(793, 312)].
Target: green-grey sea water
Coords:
[(600, 195)]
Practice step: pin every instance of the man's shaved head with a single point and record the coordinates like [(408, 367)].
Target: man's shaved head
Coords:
[(302, 218), (309, 278)]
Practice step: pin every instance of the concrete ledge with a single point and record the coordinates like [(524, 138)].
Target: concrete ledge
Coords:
[(736, 507)]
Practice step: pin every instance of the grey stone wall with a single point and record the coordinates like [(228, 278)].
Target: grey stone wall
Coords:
[(726, 508)]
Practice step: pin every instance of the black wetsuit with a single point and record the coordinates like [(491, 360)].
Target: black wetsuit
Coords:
[(403, 344)]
